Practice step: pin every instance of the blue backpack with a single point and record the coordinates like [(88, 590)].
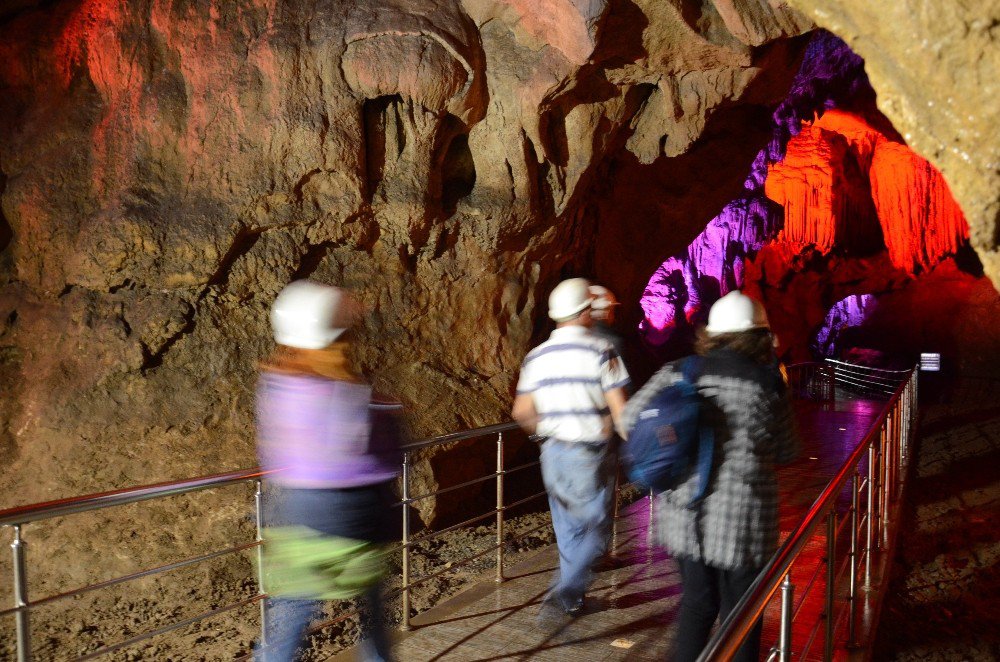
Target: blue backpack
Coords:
[(668, 438)]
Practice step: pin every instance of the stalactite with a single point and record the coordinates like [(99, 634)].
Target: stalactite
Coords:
[(823, 188), (920, 220), (711, 266)]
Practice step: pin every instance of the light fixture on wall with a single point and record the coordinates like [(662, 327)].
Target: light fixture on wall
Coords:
[(930, 362)]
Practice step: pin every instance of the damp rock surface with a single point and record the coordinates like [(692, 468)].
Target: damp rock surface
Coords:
[(165, 168)]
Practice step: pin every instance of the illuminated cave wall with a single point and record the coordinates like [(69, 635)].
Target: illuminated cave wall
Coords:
[(166, 167), (840, 219)]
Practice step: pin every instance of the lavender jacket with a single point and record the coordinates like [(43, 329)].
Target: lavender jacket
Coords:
[(323, 433)]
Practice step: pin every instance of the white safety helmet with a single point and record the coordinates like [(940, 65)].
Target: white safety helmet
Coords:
[(603, 297), (309, 315), (736, 312), (569, 299)]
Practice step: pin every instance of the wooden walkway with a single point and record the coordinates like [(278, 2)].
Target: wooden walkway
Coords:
[(631, 608)]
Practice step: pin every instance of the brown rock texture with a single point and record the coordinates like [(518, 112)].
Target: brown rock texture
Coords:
[(165, 168)]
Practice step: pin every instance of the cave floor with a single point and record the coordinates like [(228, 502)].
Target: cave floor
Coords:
[(942, 599), (631, 608)]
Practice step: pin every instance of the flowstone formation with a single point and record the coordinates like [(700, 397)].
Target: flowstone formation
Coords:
[(836, 207), (936, 68), (167, 167)]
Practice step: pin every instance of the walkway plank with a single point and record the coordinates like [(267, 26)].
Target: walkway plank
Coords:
[(631, 609)]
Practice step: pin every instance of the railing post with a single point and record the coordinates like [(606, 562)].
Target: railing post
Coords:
[(500, 511), (894, 456), (902, 426), (405, 622), (883, 529), (853, 588), (259, 503), (831, 580), (869, 524), (890, 464), (19, 547), (614, 510), (785, 640)]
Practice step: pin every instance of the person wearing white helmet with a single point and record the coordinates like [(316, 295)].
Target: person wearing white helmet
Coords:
[(722, 544), (603, 311), (571, 390), (334, 453)]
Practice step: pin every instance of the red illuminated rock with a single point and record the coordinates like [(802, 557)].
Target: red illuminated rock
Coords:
[(824, 193), (844, 184), (935, 68), (921, 222)]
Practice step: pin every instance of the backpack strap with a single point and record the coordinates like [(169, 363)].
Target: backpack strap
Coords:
[(691, 369), (704, 460)]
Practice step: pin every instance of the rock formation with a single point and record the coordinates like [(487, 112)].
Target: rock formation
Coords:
[(168, 167), (936, 67)]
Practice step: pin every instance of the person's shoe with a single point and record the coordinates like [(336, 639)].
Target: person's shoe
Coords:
[(575, 608), (557, 601)]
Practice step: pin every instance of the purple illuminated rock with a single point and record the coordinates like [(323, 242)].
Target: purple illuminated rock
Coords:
[(847, 313), (685, 285)]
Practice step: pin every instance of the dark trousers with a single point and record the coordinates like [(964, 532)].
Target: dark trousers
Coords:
[(710, 592)]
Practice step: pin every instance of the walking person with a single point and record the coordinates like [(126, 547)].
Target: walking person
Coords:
[(602, 311), (722, 543), (571, 390), (335, 455)]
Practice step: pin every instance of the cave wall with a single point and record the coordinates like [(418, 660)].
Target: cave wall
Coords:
[(165, 167), (168, 166)]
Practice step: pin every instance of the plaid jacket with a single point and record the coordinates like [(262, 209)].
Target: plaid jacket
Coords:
[(736, 526)]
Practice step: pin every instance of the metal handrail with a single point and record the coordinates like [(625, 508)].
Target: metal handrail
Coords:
[(775, 575), (902, 374), (73, 505), (19, 516)]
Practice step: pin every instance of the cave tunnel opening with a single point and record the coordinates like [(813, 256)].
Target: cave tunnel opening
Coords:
[(458, 173), (835, 210), (384, 138)]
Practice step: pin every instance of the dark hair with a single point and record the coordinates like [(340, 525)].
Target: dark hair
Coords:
[(755, 344)]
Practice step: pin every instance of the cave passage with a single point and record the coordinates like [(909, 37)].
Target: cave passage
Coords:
[(837, 220)]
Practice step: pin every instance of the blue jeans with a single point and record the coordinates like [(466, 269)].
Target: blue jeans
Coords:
[(580, 481), (288, 620)]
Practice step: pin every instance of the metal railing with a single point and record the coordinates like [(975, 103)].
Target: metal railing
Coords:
[(874, 474), (886, 447), (18, 518), (820, 380), (812, 381), (866, 380)]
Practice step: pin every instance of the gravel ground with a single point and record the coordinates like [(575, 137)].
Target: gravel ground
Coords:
[(942, 600)]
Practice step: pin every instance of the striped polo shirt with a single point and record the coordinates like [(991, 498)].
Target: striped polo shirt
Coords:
[(567, 376)]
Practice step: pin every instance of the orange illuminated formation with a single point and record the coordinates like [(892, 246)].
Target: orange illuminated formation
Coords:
[(843, 183)]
